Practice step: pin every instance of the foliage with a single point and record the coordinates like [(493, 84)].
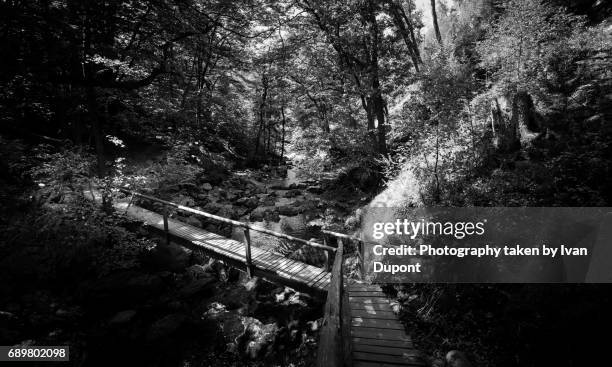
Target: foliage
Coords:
[(519, 45)]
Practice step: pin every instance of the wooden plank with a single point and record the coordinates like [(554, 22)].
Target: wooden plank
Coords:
[(346, 324), (373, 314), (266, 259), (398, 343), (300, 275), (369, 294), (378, 349), (318, 277), (324, 279), (376, 323), (314, 273), (382, 364), (295, 268), (278, 263), (368, 300), (385, 358), (387, 334)]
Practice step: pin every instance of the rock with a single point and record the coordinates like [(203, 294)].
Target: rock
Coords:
[(257, 338), (293, 193), (455, 358), (207, 186), (282, 170), (250, 202), (268, 201), (197, 271), (269, 213), (212, 207), (260, 189), (252, 284), (278, 187), (288, 210), (227, 211), (298, 185), (315, 189), (166, 327), (192, 220), (229, 274), (202, 286), (582, 96), (184, 200), (314, 325), (213, 267), (122, 317)]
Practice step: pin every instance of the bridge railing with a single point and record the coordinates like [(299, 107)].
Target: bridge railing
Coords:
[(247, 227), (335, 339)]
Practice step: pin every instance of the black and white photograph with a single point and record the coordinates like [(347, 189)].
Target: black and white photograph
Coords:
[(296, 183)]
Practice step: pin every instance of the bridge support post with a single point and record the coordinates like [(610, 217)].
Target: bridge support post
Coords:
[(165, 213), (247, 251), (329, 256)]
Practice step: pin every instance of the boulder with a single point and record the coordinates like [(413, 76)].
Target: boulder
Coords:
[(197, 272), (455, 358), (249, 202), (261, 213), (315, 189), (184, 200), (207, 186), (288, 210), (192, 221), (212, 207), (257, 338), (293, 193), (298, 185)]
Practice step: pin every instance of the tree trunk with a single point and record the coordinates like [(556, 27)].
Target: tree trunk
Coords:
[(434, 15), (524, 120), (282, 154), (404, 25), (376, 102), (262, 106), (96, 123)]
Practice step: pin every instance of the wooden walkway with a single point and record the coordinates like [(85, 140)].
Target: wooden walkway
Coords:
[(360, 329), (265, 264), (378, 338)]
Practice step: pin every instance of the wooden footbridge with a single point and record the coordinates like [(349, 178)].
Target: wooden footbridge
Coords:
[(359, 327)]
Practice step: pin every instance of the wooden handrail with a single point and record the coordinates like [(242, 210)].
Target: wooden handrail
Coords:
[(228, 221), (332, 349), (342, 235)]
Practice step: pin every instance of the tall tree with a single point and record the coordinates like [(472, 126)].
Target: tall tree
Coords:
[(434, 16)]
